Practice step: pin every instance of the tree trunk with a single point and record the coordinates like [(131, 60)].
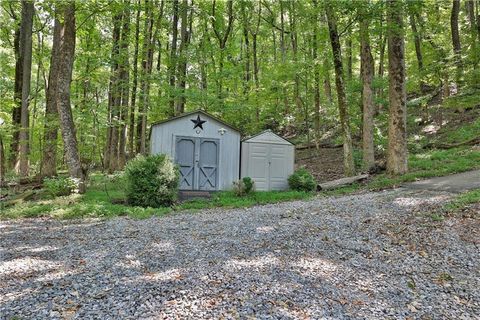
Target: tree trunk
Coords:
[(397, 131), (418, 50), (349, 54), (144, 80), (182, 63), (470, 4), (26, 52), (245, 28), (65, 61), (349, 166), (17, 97), (316, 73), (283, 51), (478, 18), (131, 128), (173, 56), (255, 63), (111, 152), (457, 49), (49, 159), (381, 69), (367, 93), (222, 42), (124, 84), (2, 163)]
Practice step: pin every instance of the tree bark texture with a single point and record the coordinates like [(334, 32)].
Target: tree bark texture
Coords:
[(17, 97), (367, 93), (131, 129), (49, 158), (144, 80), (26, 52), (172, 66), (349, 166), (124, 86), (457, 48), (397, 126), (65, 61)]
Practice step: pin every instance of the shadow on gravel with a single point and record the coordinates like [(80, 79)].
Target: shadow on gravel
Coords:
[(332, 258)]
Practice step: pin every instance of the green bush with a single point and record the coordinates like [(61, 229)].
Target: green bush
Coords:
[(59, 186), (243, 187), (151, 181), (249, 184), (302, 180)]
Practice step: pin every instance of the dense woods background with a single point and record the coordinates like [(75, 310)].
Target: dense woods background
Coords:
[(81, 81)]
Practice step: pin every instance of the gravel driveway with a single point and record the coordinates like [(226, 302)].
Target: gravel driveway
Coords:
[(368, 256)]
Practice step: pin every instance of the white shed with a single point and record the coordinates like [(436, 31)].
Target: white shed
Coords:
[(206, 149), (268, 159)]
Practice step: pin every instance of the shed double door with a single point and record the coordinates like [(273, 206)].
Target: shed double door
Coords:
[(197, 159), (268, 166)]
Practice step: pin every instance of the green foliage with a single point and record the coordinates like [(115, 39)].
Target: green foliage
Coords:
[(229, 199), (302, 180), (432, 163), (97, 202), (464, 200), (151, 181), (59, 186), (249, 184), (243, 187)]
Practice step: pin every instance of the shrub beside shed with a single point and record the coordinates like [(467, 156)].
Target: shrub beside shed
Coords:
[(268, 159)]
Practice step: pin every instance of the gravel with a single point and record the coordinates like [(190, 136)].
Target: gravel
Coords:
[(366, 256)]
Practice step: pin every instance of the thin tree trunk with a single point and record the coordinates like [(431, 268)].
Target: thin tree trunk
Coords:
[(124, 84), (17, 96), (316, 74), (418, 50), (457, 48), (26, 52), (478, 18), (349, 54), (381, 69), (131, 129), (144, 80), (294, 41), (349, 166), (65, 61), (49, 159), (185, 35), (111, 153), (473, 31), (397, 130), (222, 42), (283, 51), (173, 56), (245, 28), (2, 163), (367, 93), (255, 62)]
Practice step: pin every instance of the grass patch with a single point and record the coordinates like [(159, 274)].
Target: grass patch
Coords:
[(466, 100), (464, 200), (431, 163), (227, 199), (464, 133), (105, 199)]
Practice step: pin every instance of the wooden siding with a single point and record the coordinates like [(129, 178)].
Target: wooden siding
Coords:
[(163, 136)]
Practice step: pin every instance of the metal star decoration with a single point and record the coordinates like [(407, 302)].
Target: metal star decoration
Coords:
[(198, 122)]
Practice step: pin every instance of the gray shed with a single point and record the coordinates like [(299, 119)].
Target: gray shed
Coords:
[(268, 159), (206, 149)]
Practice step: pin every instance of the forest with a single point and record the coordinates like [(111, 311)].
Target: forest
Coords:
[(81, 81)]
